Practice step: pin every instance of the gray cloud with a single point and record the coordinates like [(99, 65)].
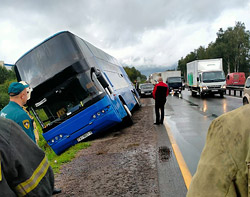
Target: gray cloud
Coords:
[(138, 32)]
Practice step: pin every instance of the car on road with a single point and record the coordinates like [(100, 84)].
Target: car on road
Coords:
[(246, 93), (146, 89)]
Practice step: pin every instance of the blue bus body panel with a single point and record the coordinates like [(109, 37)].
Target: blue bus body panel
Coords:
[(66, 134), (128, 98)]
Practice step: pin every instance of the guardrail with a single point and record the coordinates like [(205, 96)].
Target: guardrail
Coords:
[(234, 90)]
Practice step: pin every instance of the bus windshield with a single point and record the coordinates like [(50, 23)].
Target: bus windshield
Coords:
[(43, 62), (70, 97)]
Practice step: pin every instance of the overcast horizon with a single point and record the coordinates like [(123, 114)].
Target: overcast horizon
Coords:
[(149, 35)]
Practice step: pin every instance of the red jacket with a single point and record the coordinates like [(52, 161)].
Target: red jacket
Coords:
[(160, 84)]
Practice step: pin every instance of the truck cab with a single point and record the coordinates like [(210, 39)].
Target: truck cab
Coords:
[(174, 84), (211, 82)]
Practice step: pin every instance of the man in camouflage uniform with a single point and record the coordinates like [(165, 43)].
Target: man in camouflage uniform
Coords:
[(224, 166), (24, 168)]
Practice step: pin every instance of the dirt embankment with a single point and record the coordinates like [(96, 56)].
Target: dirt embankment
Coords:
[(121, 163)]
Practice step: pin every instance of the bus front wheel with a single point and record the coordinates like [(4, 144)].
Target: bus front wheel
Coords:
[(128, 119), (138, 103)]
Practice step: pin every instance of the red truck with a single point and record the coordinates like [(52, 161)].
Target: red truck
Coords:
[(235, 79)]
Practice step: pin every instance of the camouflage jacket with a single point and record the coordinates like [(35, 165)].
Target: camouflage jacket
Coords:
[(223, 169)]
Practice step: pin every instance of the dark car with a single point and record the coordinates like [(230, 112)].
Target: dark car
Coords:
[(146, 89)]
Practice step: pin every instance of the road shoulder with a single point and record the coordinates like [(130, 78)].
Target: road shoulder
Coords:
[(170, 178)]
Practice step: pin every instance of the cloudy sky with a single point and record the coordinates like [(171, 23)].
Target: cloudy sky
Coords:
[(151, 35)]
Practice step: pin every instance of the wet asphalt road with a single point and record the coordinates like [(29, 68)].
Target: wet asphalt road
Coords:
[(189, 118)]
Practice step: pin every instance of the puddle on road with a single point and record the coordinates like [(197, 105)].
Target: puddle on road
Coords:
[(202, 109), (214, 115), (164, 153), (192, 104)]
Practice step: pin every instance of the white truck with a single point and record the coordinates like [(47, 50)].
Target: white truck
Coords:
[(165, 75), (206, 77), (153, 78)]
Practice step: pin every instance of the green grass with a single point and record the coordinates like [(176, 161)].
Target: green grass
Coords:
[(57, 160)]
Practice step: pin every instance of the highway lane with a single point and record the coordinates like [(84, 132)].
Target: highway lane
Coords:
[(189, 118)]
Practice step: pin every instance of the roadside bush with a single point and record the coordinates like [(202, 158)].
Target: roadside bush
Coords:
[(4, 97)]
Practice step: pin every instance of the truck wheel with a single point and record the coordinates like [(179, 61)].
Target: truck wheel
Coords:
[(128, 119), (221, 95), (193, 93)]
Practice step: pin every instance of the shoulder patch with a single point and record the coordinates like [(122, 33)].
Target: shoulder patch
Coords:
[(3, 115), (26, 124)]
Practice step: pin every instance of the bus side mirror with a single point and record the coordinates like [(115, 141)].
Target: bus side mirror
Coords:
[(101, 79), (198, 79)]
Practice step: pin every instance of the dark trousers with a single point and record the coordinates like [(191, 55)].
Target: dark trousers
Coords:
[(159, 105)]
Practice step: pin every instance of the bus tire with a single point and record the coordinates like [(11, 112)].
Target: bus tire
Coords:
[(138, 102), (128, 120)]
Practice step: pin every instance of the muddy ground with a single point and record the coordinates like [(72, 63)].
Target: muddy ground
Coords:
[(122, 162)]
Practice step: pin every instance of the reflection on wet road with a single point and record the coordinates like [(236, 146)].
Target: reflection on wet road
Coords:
[(189, 118)]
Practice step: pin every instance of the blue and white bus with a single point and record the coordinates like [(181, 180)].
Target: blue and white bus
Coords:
[(78, 90)]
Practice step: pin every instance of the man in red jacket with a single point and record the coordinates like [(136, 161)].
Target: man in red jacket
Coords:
[(160, 93)]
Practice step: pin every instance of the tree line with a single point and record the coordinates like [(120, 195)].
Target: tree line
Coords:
[(6, 77), (134, 74), (232, 45)]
